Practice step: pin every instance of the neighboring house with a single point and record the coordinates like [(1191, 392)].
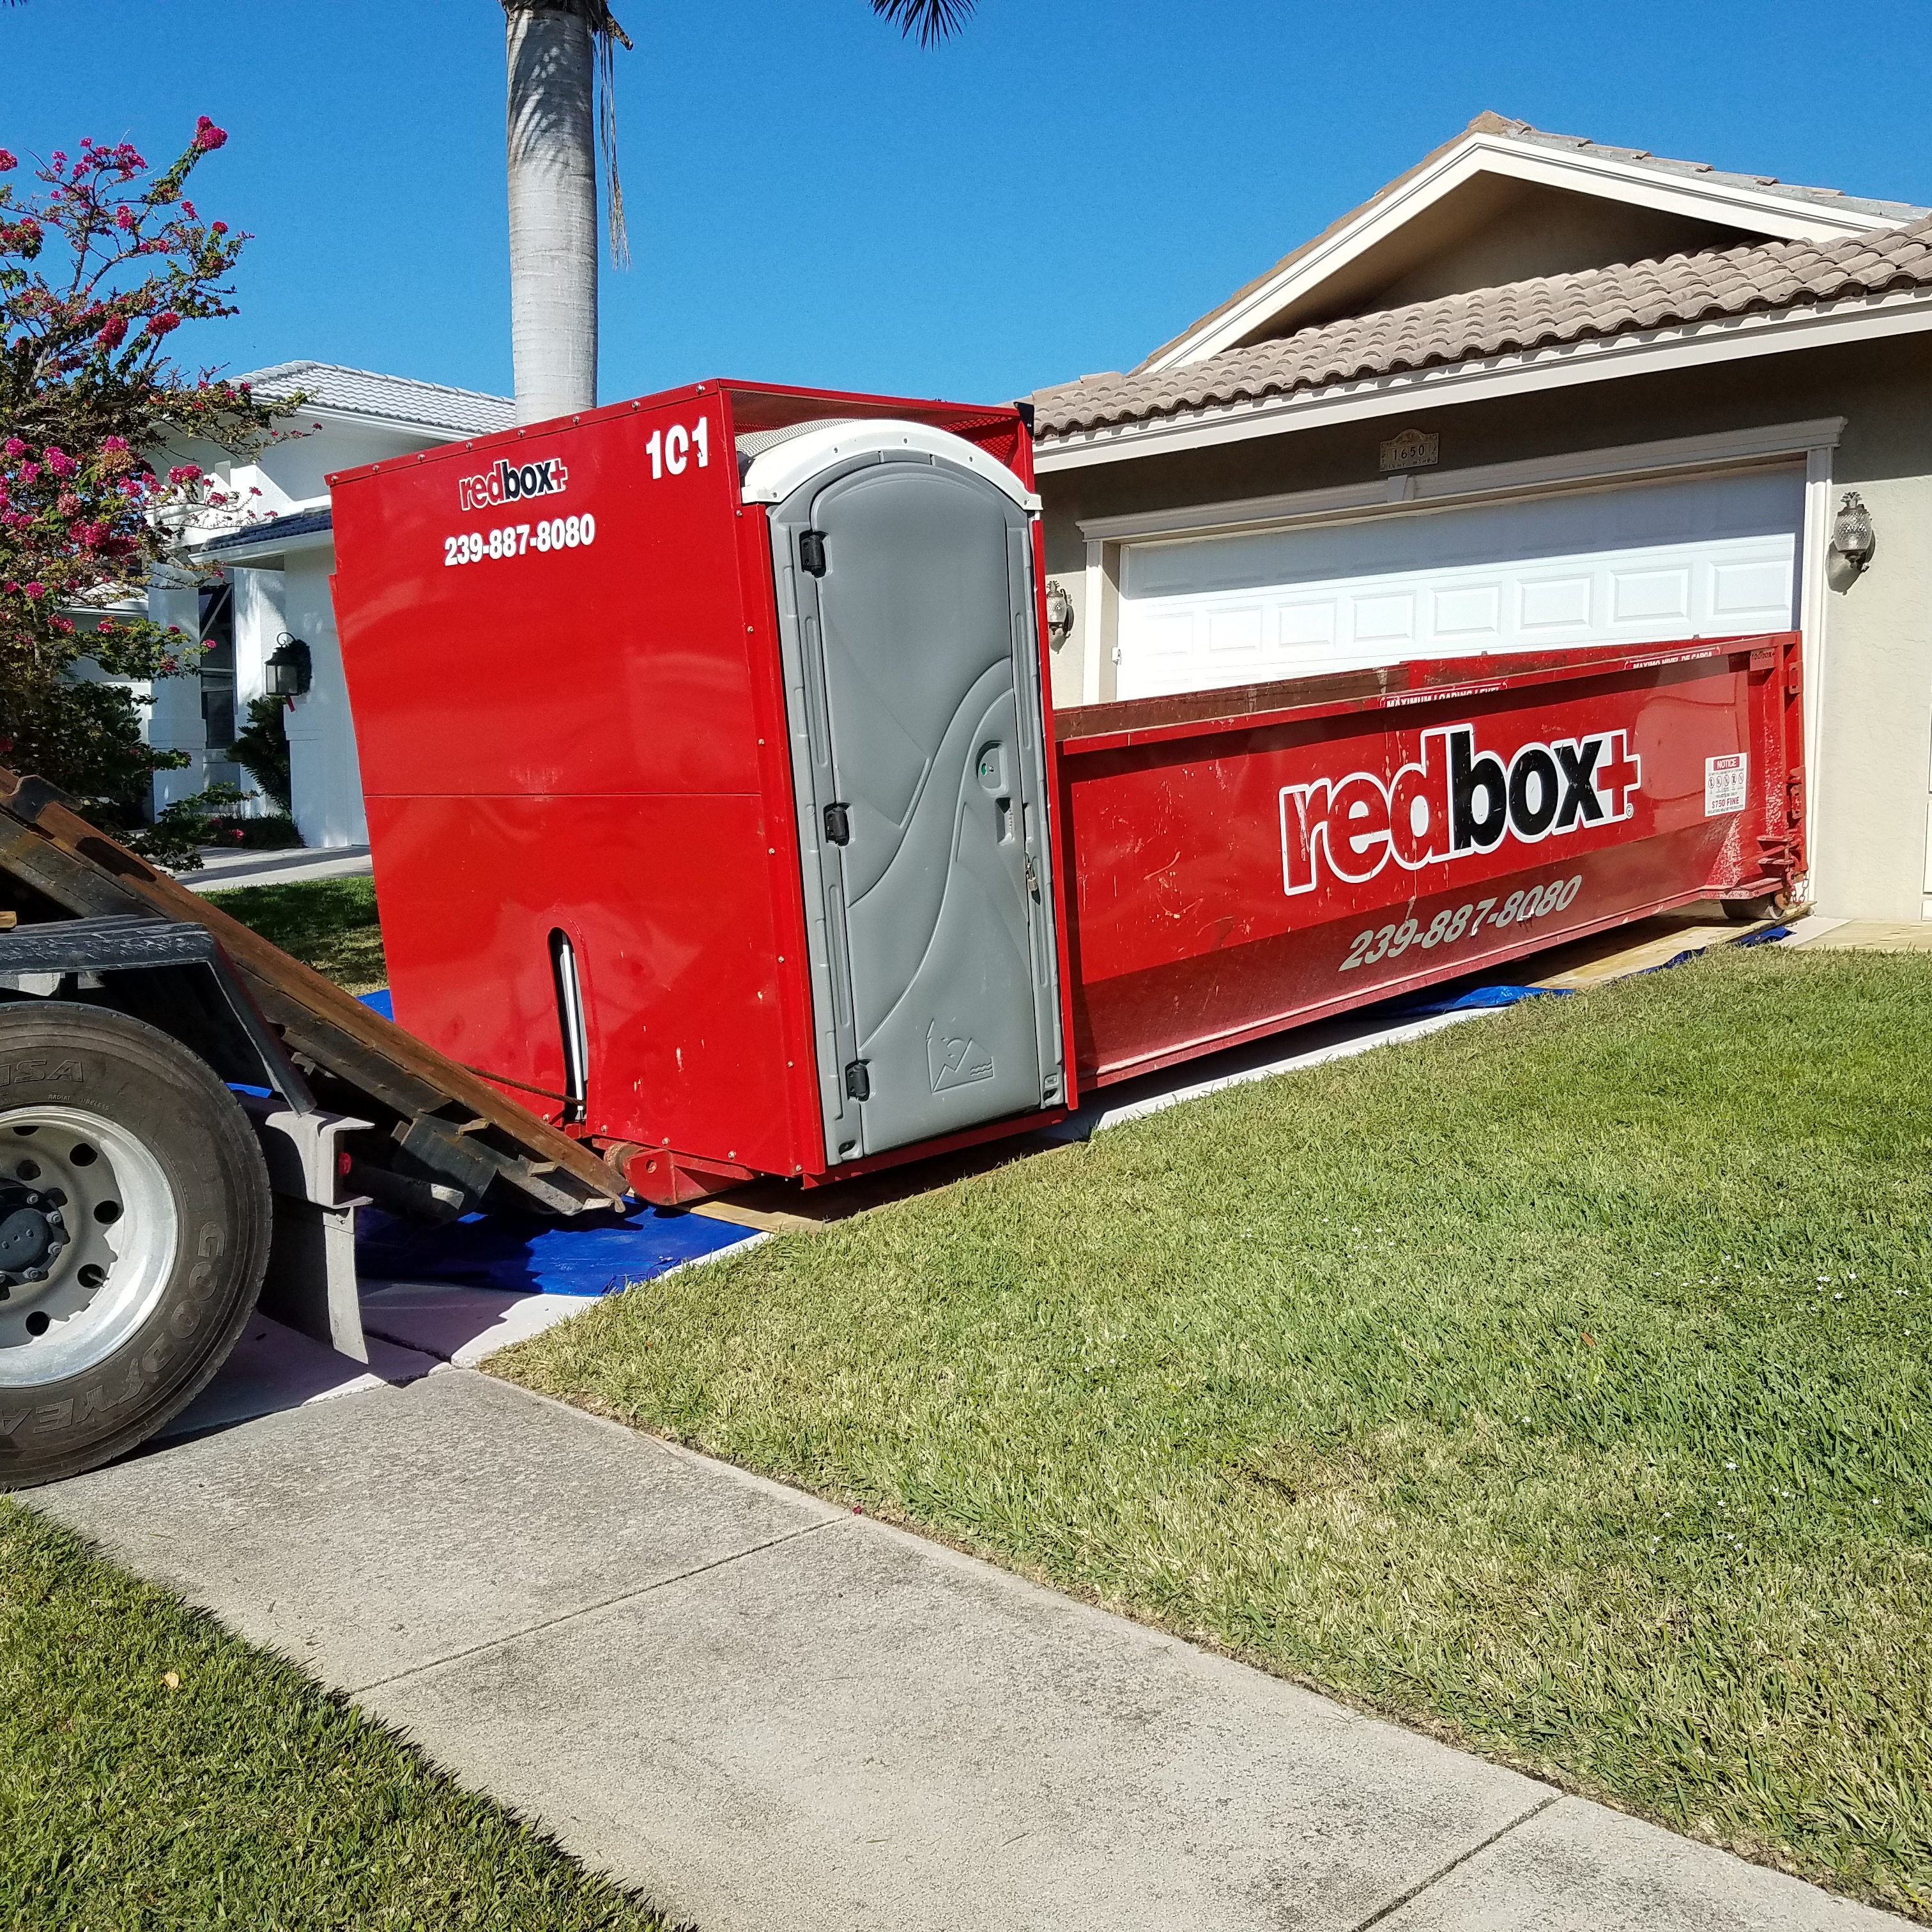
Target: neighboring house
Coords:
[(1538, 392), (275, 573)]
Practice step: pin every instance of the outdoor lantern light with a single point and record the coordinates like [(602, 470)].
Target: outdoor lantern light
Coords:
[(1852, 536), (288, 667), (1059, 613)]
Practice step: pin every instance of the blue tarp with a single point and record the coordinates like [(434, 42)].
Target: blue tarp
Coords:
[(1474, 999), (526, 1255)]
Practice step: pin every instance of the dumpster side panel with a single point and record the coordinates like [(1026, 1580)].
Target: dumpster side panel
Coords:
[(1235, 877)]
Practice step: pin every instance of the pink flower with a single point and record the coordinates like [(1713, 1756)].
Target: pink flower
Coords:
[(113, 332), (14, 446), (183, 472), (58, 461), (67, 502), (187, 209), (207, 135), (118, 444), (7, 161), (36, 589), (63, 625), (124, 216), (216, 496), (28, 471), (221, 228), (160, 325)]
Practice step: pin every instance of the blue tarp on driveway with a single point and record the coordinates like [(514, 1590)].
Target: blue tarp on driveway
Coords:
[(527, 1255)]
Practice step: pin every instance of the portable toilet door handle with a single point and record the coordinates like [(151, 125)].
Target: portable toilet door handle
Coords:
[(837, 825)]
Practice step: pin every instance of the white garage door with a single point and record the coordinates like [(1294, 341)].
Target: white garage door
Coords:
[(1710, 557)]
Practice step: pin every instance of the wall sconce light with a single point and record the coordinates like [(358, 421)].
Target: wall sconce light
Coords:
[(1852, 536), (1059, 614), (288, 669)]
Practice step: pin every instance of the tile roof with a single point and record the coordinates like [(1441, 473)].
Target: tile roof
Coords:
[(1516, 315), (1828, 198), (397, 399)]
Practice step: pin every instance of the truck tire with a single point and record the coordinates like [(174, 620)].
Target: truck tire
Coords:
[(134, 1224)]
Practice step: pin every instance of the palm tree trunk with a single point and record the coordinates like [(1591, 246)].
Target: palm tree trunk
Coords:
[(553, 176)]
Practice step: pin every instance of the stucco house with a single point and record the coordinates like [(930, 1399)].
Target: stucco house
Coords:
[(1539, 392), (275, 572)]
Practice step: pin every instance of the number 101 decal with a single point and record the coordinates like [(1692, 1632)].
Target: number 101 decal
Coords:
[(672, 449)]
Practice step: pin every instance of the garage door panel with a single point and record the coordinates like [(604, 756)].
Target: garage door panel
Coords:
[(1711, 556), (1472, 614), (1646, 596), (1553, 610)]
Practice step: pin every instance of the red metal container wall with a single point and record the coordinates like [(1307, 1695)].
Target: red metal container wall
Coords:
[(1202, 916), (591, 737)]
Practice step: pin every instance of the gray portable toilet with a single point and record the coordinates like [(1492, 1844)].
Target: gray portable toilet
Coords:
[(903, 560)]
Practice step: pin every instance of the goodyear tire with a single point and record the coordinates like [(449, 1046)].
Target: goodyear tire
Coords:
[(134, 1224)]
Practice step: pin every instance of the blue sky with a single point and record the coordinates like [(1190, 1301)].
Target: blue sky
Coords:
[(813, 201)]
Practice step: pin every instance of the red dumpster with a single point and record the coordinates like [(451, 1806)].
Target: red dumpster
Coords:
[(1244, 861), (720, 817)]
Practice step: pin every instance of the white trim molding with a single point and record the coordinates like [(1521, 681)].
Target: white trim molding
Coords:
[(1814, 554), (1756, 209), (1622, 462), (1646, 352)]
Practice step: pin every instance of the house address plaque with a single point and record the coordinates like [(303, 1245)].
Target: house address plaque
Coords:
[(1413, 449)]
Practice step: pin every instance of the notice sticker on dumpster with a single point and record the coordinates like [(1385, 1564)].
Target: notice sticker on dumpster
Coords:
[(1724, 784)]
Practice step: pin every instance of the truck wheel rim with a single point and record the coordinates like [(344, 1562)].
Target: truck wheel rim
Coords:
[(117, 1215)]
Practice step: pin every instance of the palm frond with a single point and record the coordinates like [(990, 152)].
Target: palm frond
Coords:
[(931, 19)]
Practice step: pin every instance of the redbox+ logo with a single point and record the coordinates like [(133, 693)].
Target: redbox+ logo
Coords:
[(511, 482), (1457, 800)]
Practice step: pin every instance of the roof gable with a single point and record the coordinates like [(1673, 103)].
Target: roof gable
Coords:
[(1503, 203)]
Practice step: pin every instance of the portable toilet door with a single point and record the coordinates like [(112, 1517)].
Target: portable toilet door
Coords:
[(903, 563)]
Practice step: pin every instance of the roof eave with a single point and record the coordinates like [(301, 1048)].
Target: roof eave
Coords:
[(267, 552), (1559, 365)]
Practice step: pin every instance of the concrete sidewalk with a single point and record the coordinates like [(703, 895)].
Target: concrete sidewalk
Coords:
[(771, 1714), (222, 870)]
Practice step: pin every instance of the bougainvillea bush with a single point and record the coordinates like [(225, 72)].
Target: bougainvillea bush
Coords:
[(100, 261)]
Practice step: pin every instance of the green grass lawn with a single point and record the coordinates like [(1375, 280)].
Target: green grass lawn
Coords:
[(1562, 1384), (156, 1773), (329, 924)]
